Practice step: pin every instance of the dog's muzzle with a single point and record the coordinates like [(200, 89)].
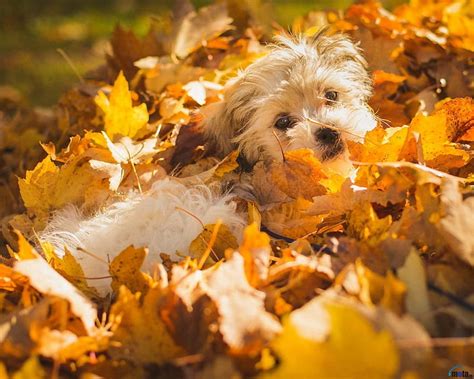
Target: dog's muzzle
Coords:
[(330, 142)]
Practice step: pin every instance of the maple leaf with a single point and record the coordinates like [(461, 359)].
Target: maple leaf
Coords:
[(366, 225), (68, 267), (299, 174), (217, 296), (212, 242), (141, 334), (353, 349), (292, 219), (48, 187), (125, 270), (438, 152), (244, 332), (121, 118), (47, 281)]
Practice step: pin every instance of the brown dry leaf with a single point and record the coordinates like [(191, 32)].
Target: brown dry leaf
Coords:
[(15, 338), (162, 72), (292, 219), (125, 270), (457, 220), (142, 336), (198, 27), (127, 49), (299, 174), (385, 86), (295, 279)]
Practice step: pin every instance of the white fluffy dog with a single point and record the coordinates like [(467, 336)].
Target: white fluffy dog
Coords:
[(306, 93), (161, 220), (311, 93)]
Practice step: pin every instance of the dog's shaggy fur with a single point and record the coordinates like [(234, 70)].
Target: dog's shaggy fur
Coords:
[(161, 220), (303, 94), (295, 80)]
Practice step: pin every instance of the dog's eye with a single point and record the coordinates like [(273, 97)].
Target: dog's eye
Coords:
[(331, 95), (284, 122)]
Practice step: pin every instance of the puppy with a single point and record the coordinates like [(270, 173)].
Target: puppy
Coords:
[(306, 93)]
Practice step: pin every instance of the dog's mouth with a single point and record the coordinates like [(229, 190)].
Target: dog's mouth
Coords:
[(329, 153)]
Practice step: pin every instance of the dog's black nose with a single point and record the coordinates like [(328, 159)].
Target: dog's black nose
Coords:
[(327, 136)]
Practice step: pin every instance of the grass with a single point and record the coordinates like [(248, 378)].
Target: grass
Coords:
[(31, 34)]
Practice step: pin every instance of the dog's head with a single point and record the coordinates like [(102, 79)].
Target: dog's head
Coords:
[(306, 93)]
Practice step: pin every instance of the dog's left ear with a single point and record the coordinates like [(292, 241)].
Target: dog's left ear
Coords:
[(340, 48), (224, 120)]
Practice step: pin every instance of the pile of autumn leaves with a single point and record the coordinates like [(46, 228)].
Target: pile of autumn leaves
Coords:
[(366, 276)]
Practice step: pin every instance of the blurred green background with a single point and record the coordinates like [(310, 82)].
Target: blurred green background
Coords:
[(31, 31)]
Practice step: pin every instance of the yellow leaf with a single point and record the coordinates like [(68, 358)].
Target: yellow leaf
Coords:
[(121, 117), (48, 187), (25, 250), (377, 289), (68, 267), (224, 240), (353, 350), (228, 164), (256, 250), (3, 371), (413, 275), (254, 215), (31, 369), (438, 152), (142, 336), (380, 145), (125, 270), (365, 225)]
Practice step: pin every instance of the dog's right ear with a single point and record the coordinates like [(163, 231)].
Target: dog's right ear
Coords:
[(217, 126), (224, 120)]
